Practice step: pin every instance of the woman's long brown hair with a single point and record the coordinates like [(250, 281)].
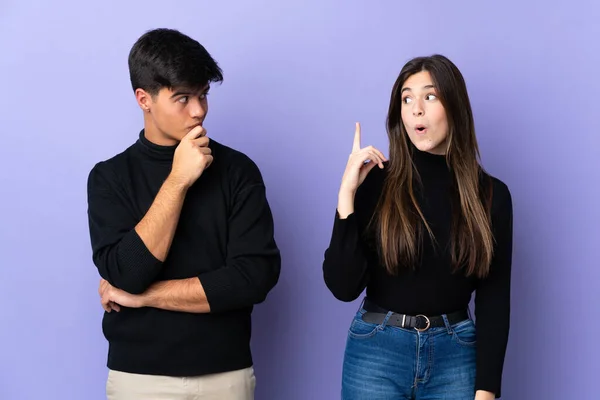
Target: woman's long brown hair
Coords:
[(399, 219)]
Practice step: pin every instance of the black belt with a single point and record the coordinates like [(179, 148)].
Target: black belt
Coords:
[(376, 315)]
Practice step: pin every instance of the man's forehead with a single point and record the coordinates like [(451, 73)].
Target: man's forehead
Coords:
[(190, 89), (184, 91)]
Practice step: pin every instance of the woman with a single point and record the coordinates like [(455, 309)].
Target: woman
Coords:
[(421, 232)]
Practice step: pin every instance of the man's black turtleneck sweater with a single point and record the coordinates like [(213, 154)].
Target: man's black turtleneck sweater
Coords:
[(224, 237), (352, 263)]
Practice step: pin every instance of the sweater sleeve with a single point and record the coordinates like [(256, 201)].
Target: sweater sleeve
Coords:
[(118, 252), (346, 262), (345, 266), (253, 261), (492, 301)]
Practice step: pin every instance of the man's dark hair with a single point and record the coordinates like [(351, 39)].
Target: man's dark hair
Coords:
[(166, 58)]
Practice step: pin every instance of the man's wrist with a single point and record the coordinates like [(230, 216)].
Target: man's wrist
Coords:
[(177, 183), (147, 299)]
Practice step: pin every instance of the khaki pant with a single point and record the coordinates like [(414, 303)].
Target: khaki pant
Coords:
[(235, 385)]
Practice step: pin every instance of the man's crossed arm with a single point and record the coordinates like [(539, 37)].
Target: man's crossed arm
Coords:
[(185, 295)]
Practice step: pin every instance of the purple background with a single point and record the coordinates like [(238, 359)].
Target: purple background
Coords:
[(297, 77)]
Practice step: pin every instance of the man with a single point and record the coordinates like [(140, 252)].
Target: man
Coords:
[(182, 235)]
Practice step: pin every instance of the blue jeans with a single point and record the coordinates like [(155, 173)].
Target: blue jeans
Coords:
[(384, 362)]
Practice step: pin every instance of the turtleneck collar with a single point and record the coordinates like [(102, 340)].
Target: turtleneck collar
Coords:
[(424, 156), (430, 165), (155, 151)]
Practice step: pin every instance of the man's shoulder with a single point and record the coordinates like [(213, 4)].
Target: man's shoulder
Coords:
[(234, 161), (105, 172), (229, 153)]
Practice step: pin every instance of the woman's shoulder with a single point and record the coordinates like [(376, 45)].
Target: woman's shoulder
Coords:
[(500, 193)]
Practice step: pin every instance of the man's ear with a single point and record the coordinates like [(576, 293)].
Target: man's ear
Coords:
[(144, 99)]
